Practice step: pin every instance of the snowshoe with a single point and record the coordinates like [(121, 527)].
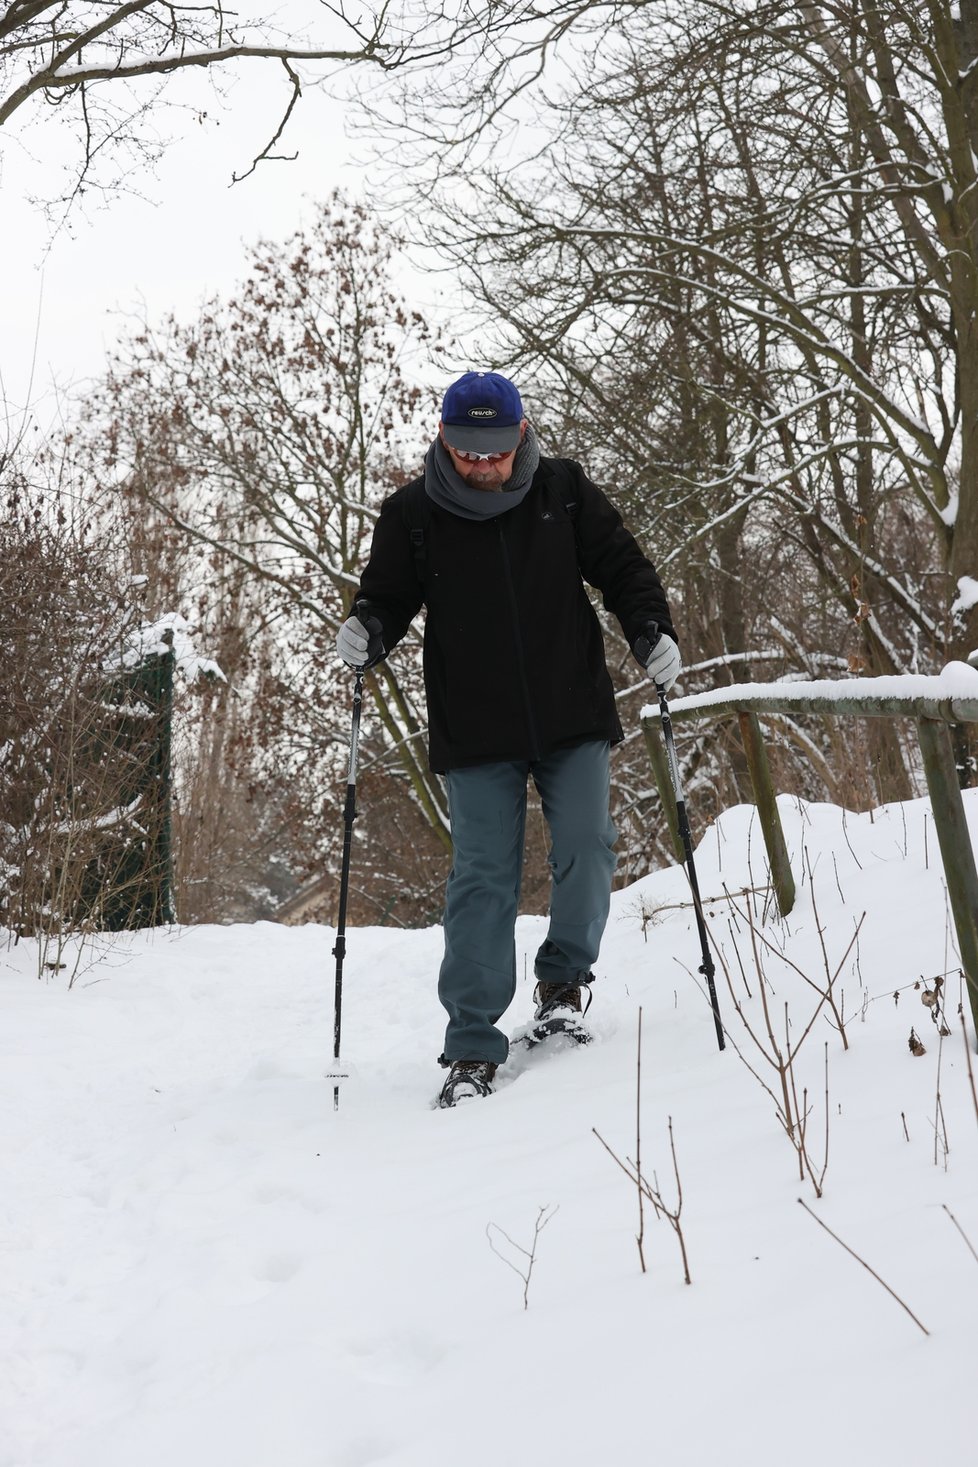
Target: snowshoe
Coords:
[(467, 1080), (559, 1011)]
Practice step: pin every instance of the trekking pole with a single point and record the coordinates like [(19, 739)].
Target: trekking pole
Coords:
[(706, 967), (339, 951)]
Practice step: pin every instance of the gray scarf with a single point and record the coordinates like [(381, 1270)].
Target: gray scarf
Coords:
[(448, 489)]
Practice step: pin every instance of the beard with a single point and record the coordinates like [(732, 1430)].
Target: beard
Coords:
[(487, 476)]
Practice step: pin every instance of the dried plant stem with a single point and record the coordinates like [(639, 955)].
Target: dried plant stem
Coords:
[(798, 1113), (853, 1254), (827, 993), (650, 1191), (961, 1230), (674, 1217), (728, 896), (825, 1161), (830, 976), (940, 1127), (638, 1145), (737, 956), (967, 1055), (525, 1272), (781, 1056), (634, 1172)]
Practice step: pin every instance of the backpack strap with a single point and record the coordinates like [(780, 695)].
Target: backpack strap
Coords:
[(416, 509), (568, 498), (567, 494)]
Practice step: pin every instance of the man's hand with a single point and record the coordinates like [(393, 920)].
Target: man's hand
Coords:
[(662, 662), (361, 643)]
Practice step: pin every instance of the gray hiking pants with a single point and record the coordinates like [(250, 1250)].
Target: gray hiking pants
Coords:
[(487, 804)]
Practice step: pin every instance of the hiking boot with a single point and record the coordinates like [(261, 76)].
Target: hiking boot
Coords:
[(556, 999), (467, 1080), (559, 1011)]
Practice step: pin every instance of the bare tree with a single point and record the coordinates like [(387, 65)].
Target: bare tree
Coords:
[(257, 444), (103, 73), (731, 253)]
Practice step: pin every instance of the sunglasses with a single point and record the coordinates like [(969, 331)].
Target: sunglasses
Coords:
[(490, 458)]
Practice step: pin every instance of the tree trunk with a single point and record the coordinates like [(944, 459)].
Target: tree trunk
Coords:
[(963, 549)]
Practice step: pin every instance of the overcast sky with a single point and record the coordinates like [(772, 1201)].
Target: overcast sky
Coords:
[(183, 240)]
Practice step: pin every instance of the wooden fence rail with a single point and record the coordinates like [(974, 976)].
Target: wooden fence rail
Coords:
[(932, 712)]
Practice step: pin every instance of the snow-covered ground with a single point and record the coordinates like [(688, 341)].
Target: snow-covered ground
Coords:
[(203, 1262)]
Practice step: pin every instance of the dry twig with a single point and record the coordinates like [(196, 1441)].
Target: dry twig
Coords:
[(530, 1254), (650, 1191), (967, 1055), (865, 1265), (961, 1230)]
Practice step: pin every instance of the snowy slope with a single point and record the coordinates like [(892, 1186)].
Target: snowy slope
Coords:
[(203, 1263)]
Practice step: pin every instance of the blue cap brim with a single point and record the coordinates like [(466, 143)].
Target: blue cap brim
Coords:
[(477, 438)]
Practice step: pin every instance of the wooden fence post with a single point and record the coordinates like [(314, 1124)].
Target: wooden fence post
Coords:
[(955, 842), (663, 783), (767, 810)]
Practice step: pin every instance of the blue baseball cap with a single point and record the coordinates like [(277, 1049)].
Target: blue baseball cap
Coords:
[(482, 413)]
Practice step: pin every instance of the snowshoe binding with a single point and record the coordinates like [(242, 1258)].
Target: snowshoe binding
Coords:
[(559, 1011), (467, 1080)]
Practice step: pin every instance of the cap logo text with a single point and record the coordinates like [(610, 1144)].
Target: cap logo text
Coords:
[(484, 412)]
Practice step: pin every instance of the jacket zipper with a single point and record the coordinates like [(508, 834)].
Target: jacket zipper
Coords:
[(518, 637)]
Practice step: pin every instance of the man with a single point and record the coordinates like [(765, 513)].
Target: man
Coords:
[(494, 541)]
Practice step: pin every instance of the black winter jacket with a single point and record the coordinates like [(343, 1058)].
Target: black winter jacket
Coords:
[(514, 660)]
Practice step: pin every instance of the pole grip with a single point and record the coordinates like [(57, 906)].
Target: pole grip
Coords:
[(645, 646)]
